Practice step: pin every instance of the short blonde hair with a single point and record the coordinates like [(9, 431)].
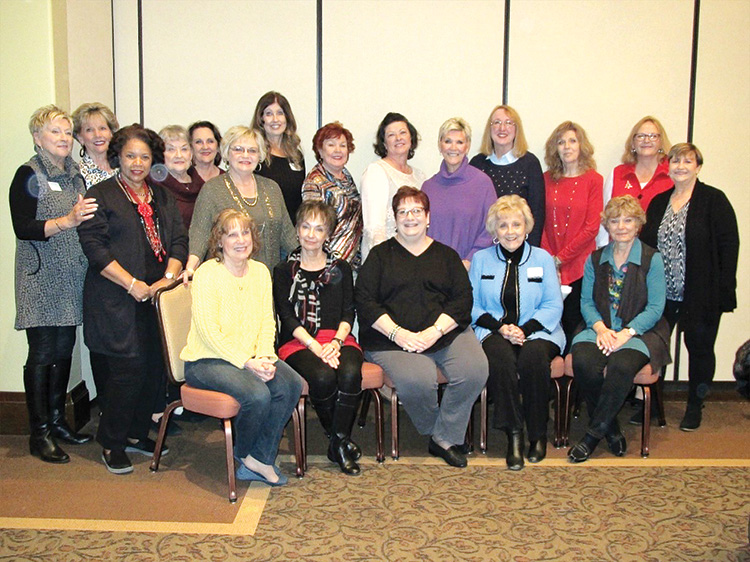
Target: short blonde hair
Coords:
[(685, 148), (454, 124), (86, 111), (174, 132), (520, 146), (508, 205), (623, 206), (44, 115), (223, 224), (629, 156), (234, 134)]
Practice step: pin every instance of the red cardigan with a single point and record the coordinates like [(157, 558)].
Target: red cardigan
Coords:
[(576, 202), (625, 182)]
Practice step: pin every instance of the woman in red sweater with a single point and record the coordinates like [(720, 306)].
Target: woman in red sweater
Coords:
[(572, 214)]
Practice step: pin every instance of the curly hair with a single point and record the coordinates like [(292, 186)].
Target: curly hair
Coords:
[(238, 132), (389, 118), (623, 206), (44, 115), (224, 222), (586, 160), (331, 131), (290, 142), (135, 131), (217, 135)]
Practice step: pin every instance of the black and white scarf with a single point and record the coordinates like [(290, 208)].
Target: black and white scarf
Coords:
[(305, 294)]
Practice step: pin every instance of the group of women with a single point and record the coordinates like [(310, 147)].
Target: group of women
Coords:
[(471, 258)]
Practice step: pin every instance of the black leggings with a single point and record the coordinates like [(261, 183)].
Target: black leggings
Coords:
[(323, 379), (49, 344), (571, 316)]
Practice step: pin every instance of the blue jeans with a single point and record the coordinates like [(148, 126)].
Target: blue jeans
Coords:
[(265, 407)]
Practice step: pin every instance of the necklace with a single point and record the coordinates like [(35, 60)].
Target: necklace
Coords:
[(555, 222), (146, 213), (245, 206)]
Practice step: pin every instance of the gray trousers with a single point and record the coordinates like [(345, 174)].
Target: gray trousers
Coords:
[(414, 375)]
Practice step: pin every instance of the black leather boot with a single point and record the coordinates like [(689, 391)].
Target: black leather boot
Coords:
[(343, 419), (324, 408), (514, 458), (59, 375), (41, 442), (538, 449)]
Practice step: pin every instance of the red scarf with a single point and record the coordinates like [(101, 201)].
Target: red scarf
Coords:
[(147, 217)]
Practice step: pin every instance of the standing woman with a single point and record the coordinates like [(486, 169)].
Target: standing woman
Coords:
[(46, 205), (331, 182), (135, 244), (242, 189), (644, 172), (460, 195), (283, 161), (93, 127), (395, 143), (505, 157), (204, 140), (695, 228), (314, 297), (573, 211)]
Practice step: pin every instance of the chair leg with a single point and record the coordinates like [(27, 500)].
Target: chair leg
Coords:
[(483, 421), (298, 415), (364, 409), (659, 398), (380, 452), (646, 430), (558, 414), (230, 459), (469, 438), (163, 433), (566, 412), (394, 424)]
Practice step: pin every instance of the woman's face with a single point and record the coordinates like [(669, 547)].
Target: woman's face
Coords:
[(95, 135), (335, 154), (56, 138), (684, 169), (502, 131), (411, 219), (177, 156), (511, 230), (647, 140), (205, 146), (312, 232), (274, 120), (397, 139), (244, 155), (568, 148), (237, 243), (623, 228), (135, 161), (453, 147)]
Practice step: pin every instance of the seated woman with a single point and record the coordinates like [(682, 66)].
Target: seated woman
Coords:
[(413, 298), (204, 140), (314, 297), (330, 181), (622, 302), (460, 195), (516, 314), (230, 346)]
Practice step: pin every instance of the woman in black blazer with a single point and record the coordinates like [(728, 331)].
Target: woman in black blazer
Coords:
[(695, 229)]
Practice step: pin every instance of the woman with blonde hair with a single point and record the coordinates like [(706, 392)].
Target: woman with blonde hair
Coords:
[(93, 127)]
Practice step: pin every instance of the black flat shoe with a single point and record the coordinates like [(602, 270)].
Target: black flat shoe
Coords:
[(692, 418), (537, 450), (145, 447), (617, 444), (117, 461), (451, 455)]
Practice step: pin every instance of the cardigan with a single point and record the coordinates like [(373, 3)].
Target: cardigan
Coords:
[(539, 293), (231, 317), (288, 178), (459, 203), (572, 219), (712, 246), (275, 228), (522, 177), (184, 193), (413, 290), (116, 234)]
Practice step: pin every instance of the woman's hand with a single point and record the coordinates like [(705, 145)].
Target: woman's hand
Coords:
[(82, 211), (621, 338), (513, 334), (140, 291), (605, 338), (262, 367), (409, 341), (328, 353), (429, 337)]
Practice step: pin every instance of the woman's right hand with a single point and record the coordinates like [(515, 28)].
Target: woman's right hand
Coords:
[(263, 367), (409, 341), (82, 211), (606, 339), (140, 291), (327, 353)]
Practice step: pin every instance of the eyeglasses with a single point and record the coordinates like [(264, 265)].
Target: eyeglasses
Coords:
[(497, 123), (416, 212), (650, 136), (239, 150)]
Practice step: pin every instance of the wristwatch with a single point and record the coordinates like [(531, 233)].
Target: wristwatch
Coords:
[(169, 275), (632, 332)]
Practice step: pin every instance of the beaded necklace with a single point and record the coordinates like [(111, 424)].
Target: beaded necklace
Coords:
[(146, 213), (555, 221), (243, 204)]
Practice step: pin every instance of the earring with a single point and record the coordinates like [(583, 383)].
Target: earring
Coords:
[(661, 151), (495, 240)]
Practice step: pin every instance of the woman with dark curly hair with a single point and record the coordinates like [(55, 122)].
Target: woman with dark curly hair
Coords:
[(204, 140), (135, 244)]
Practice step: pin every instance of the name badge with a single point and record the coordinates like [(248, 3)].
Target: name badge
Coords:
[(488, 276), (54, 186), (534, 274)]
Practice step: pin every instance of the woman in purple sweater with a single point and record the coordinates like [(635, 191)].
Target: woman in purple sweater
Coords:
[(460, 194)]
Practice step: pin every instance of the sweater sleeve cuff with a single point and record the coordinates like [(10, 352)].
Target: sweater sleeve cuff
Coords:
[(487, 321), (530, 327)]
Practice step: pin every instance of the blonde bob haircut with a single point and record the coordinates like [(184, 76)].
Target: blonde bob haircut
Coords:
[(454, 124), (683, 149), (225, 221), (623, 206), (586, 160), (630, 156), (44, 115), (86, 111), (508, 205), (237, 133), (173, 133), (520, 146)]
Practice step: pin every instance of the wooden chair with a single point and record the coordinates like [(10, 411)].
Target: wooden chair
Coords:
[(173, 309)]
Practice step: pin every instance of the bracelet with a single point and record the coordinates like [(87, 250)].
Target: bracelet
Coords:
[(131, 285), (60, 228), (438, 328), (309, 343), (338, 341), (394, 331)]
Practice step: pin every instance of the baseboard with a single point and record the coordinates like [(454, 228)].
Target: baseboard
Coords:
[(14, 417)]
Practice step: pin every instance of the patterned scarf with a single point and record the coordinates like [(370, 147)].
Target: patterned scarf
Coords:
[(614, 285), (147, 216), (305, 294)]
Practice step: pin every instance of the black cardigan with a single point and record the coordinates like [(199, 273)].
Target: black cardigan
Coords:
[(712, 245)]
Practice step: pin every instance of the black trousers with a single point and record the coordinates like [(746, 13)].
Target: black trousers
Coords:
[(49, 344), (604, 395), (324, 380), (518, 383), (571, 316)]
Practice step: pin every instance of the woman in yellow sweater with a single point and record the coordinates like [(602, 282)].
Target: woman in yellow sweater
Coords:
[(230, 347)]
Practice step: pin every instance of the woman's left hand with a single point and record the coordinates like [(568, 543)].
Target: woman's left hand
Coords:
[(330, 354), (513, 334), (428, 338), (621, 338)]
